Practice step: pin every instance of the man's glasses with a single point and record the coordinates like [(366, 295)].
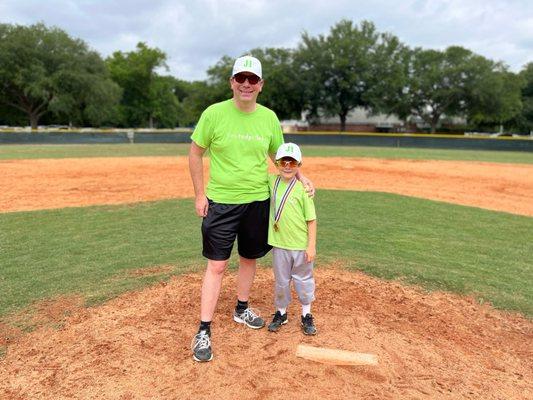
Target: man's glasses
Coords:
[(252, 79), (287, 163)]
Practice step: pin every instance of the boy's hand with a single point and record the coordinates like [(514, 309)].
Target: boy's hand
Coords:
[(310, 254)]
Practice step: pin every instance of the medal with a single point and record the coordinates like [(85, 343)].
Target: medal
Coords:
[(277, 213)]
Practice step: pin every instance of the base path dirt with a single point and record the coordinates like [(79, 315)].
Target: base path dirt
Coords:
[(429, 346), (57, 183)]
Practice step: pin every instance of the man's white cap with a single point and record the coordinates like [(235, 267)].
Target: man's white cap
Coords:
[(289, 150), (247, 64)]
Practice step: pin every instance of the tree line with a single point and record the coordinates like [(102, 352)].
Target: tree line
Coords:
[(48, 77)]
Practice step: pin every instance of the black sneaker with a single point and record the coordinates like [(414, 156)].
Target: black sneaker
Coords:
[(308, 326), (277, 322), (201, 347), (249, 318)]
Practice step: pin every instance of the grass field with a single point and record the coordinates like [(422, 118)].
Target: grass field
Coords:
[(9, 152), (439, 246), (89, 251)]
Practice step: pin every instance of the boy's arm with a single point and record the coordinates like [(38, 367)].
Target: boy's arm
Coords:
[(310, 253)]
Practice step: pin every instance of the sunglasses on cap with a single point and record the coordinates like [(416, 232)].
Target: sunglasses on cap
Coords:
[(241, 78), (287, 162)]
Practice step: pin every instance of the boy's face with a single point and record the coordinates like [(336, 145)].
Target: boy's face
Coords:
[(287, 167)]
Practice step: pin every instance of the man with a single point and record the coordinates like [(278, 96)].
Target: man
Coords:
[(240, 134)]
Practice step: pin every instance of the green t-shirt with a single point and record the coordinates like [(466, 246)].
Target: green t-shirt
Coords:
[(239, 144), (299, 208)]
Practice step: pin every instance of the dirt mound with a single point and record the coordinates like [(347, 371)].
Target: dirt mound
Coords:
[(42, 184), (436, 345)]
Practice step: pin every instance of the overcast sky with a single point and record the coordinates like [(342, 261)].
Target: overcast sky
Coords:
[(196, 34)]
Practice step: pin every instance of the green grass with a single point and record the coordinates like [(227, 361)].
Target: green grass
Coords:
[(132, 150), (418, 154), (13, 152), (88, 251)]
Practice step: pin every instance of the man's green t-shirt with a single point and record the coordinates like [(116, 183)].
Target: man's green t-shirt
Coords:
[(239, 144), (299, 208)]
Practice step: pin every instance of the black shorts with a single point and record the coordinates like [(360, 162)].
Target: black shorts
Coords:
[(246, 222)]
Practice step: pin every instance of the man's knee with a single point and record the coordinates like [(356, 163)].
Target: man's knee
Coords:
[(247, 262), (217, 267)]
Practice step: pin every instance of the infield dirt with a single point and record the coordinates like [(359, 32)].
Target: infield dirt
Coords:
[(430, 346), (137, 346), (41, 184)]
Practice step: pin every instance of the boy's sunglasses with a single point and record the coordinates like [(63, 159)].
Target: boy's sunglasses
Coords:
[(252, 79), (287, 163)]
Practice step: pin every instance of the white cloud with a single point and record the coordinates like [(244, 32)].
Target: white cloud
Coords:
[(196, 34)]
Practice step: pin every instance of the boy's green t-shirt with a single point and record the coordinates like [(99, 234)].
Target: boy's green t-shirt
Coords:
[(299, 208), (239, 144)]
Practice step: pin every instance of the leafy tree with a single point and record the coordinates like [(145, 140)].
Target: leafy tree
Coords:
[(147, 96), (164, 102), (353, 66), (193, 98), (496, 99), (523, 122), (458, 82), (43, 70)]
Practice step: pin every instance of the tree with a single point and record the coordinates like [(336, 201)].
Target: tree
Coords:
[(164, 102), (193, 98), (496, 99), (458, 82), (146, 95), (44, 70), (354, 66), (523, 122)]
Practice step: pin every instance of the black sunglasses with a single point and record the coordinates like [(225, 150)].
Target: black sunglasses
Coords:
[(241, 78)]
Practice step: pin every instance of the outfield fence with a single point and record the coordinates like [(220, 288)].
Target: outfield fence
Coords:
[(436, 141)]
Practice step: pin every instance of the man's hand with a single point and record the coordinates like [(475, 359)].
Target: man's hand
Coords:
[(308, 185), (201, 204), (310, 254)]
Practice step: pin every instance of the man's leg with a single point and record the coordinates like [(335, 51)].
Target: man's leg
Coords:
[(211, 285), (245, 277), (252, 239), (211, 288)]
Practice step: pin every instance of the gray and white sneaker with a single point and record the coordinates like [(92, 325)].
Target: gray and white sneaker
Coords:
[(201, 347), (249, 318)]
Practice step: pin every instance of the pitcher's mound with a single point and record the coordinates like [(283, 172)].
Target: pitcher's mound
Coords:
[(430, 346)]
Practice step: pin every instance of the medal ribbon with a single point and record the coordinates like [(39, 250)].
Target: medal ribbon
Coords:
[(277, 213)]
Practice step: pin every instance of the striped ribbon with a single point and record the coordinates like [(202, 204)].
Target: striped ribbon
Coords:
[(277, 213)]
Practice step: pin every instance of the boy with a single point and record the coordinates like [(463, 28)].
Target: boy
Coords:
[(292, 233)]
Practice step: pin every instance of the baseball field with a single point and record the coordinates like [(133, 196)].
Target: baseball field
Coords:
[(424, 260)]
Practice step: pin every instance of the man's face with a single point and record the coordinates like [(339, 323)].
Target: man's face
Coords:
[(245, 91)]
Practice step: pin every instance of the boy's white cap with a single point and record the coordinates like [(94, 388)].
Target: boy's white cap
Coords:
[(247, 64), (289, 150)]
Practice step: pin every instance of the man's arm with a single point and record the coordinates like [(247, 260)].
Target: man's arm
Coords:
[(310, 253), (308, 185), (196, 169)]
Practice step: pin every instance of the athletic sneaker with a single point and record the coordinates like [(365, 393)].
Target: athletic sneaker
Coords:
[(249, 318), (277, 321), (307, 325), (201, 347)]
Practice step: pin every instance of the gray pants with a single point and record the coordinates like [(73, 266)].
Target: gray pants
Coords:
[(291, 265)]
